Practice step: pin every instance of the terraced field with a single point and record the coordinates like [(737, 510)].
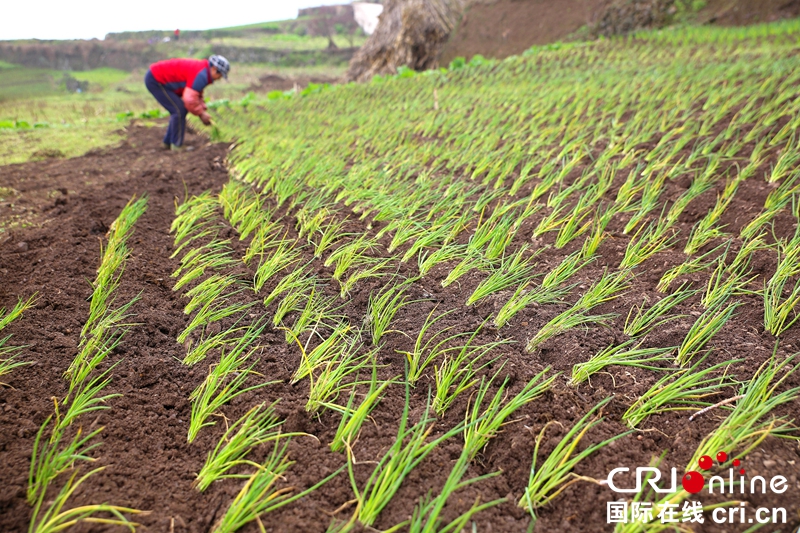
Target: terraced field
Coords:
[(444, 301)]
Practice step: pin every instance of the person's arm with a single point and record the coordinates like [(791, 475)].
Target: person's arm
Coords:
[(193, 100), (193, 96)]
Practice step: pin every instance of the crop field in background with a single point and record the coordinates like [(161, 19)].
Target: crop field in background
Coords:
[(40, 119), (436, 302), (290, 41)]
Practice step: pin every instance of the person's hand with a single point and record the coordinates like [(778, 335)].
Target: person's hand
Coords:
[(205, 118)]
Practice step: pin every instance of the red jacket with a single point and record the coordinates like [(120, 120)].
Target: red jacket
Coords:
[(186, 78)]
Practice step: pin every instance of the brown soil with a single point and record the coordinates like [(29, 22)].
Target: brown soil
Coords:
[(740, 12), (500, 28), (149, 464), (506, 27)]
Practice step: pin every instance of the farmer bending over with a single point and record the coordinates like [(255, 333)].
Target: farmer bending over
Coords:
[(178, 85)]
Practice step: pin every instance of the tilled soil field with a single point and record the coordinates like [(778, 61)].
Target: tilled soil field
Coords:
[(69, 205)]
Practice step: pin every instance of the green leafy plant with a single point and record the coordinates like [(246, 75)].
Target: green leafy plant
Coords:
[(259, 495), (726, 282), (471, 261), (625, 354), (383, 306), (684, 389), (458, 369), (549, 479), (328, 383), (335, 346), (778, 309), (225, 381), (750, 421), (349, 255), (646, 243), (707, 229), (512, 270), (50, 459), (426, 515), (258, 426), (644, 321), (365, 270), (214, 255), (484, 422), (354, 417), (55, 518), (20, 307), (607, 288), (424, 352), (407, 451), (298, 281), (689, 266), (704, 328), (10, 352), (283, 255)]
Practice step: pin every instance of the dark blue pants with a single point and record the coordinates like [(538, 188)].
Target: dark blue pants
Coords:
[(172, 103)]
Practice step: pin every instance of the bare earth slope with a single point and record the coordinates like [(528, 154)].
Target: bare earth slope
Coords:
[(507, 27), (500, 28)]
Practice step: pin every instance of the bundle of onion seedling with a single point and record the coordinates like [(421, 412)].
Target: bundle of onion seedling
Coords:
[(58, 446)]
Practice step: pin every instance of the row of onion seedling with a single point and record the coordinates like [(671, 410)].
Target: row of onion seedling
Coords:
[(10, 353), (487, 169), (61, 445)]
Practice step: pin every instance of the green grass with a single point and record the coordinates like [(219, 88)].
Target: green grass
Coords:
[(658, 314), (225, 381), (703, 330), (287, 41), (104, 77), (67, 141), (625, 354), (424, 351), (607, 288), (383, 305), (354, 417), (22, 82), (484, 421), (458, 369), (426, 517)]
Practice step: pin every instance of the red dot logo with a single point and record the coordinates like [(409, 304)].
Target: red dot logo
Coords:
[(705, 462), (722, 457), (693, 482)]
